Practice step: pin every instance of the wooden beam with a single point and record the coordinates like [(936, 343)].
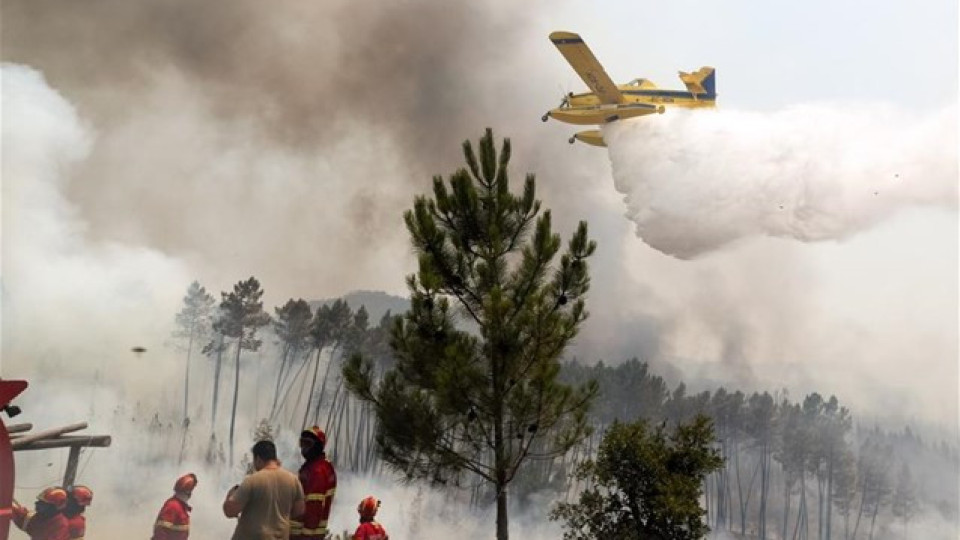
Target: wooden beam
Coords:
[(48, 434), (100, 441), (19, 428)]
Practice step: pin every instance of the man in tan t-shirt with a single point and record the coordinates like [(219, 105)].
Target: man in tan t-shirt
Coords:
[(266, 499)]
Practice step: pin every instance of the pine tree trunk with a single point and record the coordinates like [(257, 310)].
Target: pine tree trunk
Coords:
[(503, 532), (500, 465), (829, 495), (289, 388), (333, 408), (313, 385), (801, 508), (216, 384), (276, 391), (873, 519), (786, 507), (728, 495), (820, 512), (863, 495), (764, 484), (186, 381), (745, 503), (340, 422), (236, 393), (356, 452), (326, 376), (721, 494), (706, 498), (801, 525)]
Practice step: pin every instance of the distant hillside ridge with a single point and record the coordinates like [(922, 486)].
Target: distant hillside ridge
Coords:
[(376, 302)]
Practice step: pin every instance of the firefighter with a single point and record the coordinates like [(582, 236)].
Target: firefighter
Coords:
[(369, 529), (47, 521), (173, 521), (319, 482), (78, 499)]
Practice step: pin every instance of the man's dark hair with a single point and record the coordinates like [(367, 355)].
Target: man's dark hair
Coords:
[(265, 450)]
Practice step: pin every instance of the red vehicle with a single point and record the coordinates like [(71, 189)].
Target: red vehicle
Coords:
[(8, 391)]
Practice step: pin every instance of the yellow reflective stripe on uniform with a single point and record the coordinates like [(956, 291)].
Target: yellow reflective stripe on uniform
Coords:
[(321, 496), (321, 530), (172, 526)]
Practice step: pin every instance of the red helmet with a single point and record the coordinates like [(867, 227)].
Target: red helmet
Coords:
[(185, 483), (368, 507), (55, 496), (82, 494), (314, 433)]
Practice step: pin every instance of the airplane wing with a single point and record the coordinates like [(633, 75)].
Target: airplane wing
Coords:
[(586, 65)]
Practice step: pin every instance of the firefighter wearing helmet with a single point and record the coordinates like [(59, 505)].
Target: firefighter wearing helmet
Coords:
[(173, 521), (46, 521), (319, 482), (369, 529), (78, 499)]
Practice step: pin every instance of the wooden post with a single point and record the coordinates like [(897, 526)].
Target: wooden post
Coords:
[(71, 473)]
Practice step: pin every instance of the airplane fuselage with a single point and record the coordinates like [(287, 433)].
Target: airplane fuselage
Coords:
[(669, 98), (586, 109)]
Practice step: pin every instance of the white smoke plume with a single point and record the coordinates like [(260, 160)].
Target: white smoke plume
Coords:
[(65, 297), (695, 181), (133, 477)]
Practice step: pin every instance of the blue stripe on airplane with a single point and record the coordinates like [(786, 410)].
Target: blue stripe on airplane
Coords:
[(667, 93), (661, 93), (564, 41)]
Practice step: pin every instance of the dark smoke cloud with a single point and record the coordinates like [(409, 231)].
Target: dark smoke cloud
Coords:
[(300, 70), (279, 139)]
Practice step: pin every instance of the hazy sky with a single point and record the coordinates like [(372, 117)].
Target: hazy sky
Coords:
[(284, 140)]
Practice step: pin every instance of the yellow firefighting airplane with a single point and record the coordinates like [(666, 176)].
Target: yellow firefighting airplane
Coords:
[(609, 102)]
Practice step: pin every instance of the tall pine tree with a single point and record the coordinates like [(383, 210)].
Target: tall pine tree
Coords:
[(475, 388), (193, 325), (242, 315), (292, 326)]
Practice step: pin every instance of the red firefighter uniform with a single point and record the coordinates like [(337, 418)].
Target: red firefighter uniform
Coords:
[(319, 482), (77, 525), (47, 523), (173, 521), (80, 497), (369, 529)]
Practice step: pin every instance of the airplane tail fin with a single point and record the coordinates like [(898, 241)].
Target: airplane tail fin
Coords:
[(702, 82)]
